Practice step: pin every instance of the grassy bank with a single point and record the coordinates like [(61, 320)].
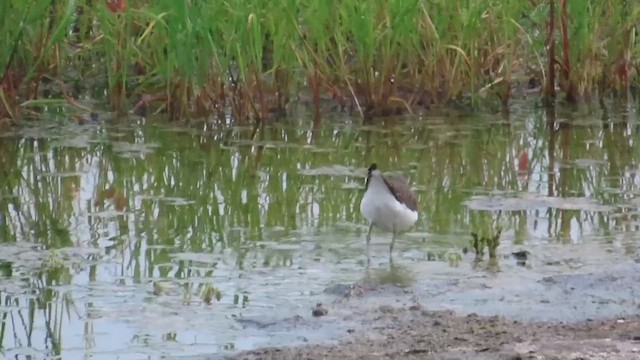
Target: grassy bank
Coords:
[(249, 59)]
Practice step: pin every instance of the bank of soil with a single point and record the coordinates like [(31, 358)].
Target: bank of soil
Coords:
[(589, 314), (415, 333)]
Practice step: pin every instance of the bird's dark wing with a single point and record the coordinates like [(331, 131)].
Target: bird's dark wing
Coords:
[(399, 187)]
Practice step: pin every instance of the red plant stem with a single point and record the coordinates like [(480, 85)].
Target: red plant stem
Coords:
[(551, 51), (222, 99), (315, 86), (263, 104), (622, 69), (566, 63), (551, 150)]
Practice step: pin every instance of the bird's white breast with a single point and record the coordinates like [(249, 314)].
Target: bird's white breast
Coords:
[(381, 208)]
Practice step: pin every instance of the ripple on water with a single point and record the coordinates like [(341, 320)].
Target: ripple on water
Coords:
[(107, 214), (589, 162), (169, 200), (131, 150), (334, 170), (62, 174), (529, 201)]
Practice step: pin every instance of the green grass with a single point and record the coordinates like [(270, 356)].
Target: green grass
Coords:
[(247, 58)]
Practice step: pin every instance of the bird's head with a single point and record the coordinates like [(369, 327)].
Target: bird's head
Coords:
[(372, 168)]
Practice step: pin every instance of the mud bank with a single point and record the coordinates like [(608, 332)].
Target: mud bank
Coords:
[(584, 315), (415, 333)]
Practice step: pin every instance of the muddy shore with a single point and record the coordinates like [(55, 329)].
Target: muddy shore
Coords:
[(585, 315), (415, 333)]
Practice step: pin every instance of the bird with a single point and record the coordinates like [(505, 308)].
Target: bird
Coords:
[(388, 203)]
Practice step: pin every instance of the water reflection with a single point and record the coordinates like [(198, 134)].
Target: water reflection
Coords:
[(234, 221)]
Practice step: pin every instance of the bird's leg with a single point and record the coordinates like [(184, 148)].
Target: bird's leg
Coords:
[(369, 234), (368, 247), (393, 240)]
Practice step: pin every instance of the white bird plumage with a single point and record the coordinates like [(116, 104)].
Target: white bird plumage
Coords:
[(388, 204)]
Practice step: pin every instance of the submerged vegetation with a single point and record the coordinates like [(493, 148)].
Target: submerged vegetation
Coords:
[(250, 59), (490, 242)]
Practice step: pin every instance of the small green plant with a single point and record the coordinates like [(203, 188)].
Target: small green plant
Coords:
[(55, 269), (453, 258), (209, 292), (491, 242), (244, 301), (186, 295), (54, 261), (158, 289)]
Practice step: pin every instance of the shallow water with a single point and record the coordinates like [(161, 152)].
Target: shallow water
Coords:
[(114, 238)]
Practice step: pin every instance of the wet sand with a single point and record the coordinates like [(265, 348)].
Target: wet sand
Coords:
[(588, 315), (415, 333)]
